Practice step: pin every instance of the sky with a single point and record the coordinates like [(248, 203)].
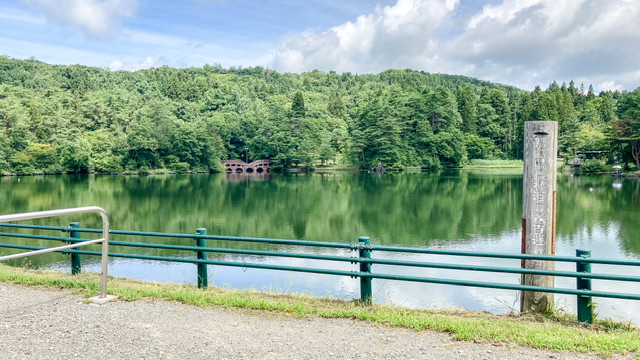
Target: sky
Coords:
[(523, 43)]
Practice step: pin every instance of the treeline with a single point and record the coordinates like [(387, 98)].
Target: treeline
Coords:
[(75, 119)]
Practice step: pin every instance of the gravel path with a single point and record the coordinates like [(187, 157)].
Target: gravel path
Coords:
[(45, 324)]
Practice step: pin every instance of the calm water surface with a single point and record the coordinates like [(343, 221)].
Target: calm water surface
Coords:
[(467, 210)]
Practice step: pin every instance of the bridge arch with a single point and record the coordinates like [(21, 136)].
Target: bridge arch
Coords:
[(238, 166)]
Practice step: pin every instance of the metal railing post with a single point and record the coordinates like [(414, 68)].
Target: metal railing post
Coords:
[(76, 262), (585, 305), (203, 276), (72, 211), (366, 293)]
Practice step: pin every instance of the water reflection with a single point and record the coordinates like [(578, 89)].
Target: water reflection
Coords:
[(478, 210), (246, 177)]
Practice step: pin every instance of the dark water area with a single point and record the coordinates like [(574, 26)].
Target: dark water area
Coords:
[(466, 210)]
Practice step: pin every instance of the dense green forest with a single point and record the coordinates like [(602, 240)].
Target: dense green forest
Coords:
[(77, 119)]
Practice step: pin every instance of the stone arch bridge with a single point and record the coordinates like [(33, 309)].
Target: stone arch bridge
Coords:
[(239, 166)]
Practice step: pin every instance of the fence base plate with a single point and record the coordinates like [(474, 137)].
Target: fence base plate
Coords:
[(102, 300)]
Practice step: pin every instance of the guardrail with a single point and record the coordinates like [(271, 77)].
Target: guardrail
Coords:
[(60, 212), (198, 255)]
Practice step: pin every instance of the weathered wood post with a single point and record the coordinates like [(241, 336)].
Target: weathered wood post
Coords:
[(539, 209)]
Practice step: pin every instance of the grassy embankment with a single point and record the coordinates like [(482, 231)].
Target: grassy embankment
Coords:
[(494, 164), (546, 332), (473, 164)]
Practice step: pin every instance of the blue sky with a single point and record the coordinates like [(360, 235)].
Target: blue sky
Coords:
[(518, 42)]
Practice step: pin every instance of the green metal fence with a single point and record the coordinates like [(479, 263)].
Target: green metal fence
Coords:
[(197, 247)]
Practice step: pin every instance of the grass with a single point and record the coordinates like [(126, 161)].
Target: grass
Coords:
[(554, 333), (494, 164)]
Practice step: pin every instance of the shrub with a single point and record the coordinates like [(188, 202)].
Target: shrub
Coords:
[(593, 166), (22, 163), (180, 167)]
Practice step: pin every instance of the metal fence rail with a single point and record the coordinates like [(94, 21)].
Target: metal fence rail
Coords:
[(197, 254), (60, 212)]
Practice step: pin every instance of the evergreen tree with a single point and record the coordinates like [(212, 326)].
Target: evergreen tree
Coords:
[(626, 130), (468, 108), (298, 109), (57, 119)]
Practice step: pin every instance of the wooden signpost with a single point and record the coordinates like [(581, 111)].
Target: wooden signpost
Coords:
[(539, 209)]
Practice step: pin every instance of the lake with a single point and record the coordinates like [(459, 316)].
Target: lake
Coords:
[(477, 210)]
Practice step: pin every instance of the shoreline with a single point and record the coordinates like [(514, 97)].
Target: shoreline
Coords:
[(46, 323), (510, 331), (316, 171)]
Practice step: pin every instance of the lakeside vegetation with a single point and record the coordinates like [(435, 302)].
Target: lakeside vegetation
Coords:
[(77, 119), (548, 332), (495, 164)]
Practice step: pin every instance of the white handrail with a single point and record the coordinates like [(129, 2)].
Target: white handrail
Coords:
[(80, 210)]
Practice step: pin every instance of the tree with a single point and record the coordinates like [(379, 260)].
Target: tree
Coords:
[(22, 163), (105, 150), (335, 106), (13, 117), (590, 94), (591, 138), (326, 151), (495, 118), (297, 106), (606, 107), (44, 158), (450, 148), (627, 128), (159, 117), (142, 145), (627, 136), (5, 150), (377, 132), (442, 110), (275, 137), (74, 154), (481, 147), (468, 108)]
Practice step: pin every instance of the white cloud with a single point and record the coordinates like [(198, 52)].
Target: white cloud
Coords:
[(96, 18), (610, 86), (531, 42), (116, 65), (557, 39), (401, 35), (519, 42)]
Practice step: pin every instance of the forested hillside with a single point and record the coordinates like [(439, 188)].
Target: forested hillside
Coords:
[(60, 119)]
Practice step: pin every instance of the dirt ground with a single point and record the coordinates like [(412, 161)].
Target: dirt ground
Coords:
[(45, 324)]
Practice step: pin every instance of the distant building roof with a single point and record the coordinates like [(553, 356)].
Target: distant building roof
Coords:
[(598, 152)]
